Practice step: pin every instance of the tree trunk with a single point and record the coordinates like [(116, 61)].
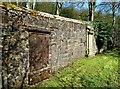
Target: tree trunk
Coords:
[(113, 14), (90, 10), (57, 8), (9, 1), (91, 5), (34, 2), (28, 4), (113, 22), (93, 10), (17, 2)]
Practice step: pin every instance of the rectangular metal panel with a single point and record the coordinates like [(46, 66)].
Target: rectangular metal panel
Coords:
[(38, 57)]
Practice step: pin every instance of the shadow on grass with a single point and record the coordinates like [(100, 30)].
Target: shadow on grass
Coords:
[(113, 53)]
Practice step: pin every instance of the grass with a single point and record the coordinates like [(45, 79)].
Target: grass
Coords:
[(98, 71)]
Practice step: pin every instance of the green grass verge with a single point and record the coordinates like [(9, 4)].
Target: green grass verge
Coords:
[(98, 71)]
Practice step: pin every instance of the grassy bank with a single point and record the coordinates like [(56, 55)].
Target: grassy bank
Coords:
[(98, 71)]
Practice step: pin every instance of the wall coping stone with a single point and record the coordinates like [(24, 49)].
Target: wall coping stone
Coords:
[(43, 14)]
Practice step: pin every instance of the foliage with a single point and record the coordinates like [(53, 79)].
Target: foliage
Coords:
[(84, 14), (103, 33), (117, 25), (48, 7), (98, 71), (70, 12)]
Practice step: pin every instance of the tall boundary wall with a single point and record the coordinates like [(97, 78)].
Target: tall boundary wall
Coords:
[(67, 42)]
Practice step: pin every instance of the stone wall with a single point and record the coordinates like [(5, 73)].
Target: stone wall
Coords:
[(67, 37), (15, 50), (68, 42), (0, 48)]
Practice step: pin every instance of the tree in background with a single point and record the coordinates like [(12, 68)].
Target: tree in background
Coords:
[(111, 7), (91, 5), (34, 3), (48, 7), (58, 7), (30, 4), (102, 34), (70, 12), (83, 14)]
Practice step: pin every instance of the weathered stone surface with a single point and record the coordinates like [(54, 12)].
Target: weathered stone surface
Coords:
[(67, 42), (15, 50)]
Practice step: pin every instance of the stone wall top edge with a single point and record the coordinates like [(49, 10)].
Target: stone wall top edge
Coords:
[(62, 18), (43, 14)]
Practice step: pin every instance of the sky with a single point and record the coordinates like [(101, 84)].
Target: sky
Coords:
[(86, 7), (78, 7)]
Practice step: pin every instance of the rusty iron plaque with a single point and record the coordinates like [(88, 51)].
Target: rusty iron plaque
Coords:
[(38, 57)]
